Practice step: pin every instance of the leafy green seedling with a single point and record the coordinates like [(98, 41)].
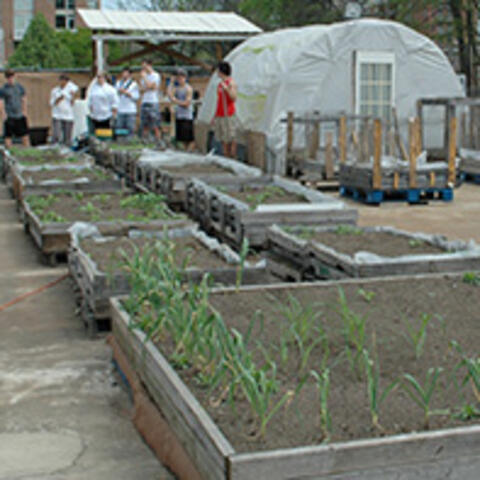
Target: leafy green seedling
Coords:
[(417, 336)]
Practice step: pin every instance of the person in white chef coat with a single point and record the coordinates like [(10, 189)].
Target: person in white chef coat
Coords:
[(102, 103), (61, 102)]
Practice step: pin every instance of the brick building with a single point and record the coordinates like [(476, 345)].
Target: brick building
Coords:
[(15, 16)]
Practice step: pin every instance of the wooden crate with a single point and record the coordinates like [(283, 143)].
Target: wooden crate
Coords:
[(233, 220), (449, 453), (317, 261)]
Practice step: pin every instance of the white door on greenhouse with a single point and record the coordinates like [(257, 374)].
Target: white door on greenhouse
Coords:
[(375, 84)]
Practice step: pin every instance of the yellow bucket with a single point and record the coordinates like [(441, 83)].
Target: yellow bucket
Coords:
[(104, 133)]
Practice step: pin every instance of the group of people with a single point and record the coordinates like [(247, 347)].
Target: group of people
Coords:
[(115, 106)]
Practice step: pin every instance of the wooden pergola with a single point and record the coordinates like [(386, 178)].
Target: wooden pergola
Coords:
[(161, 31)]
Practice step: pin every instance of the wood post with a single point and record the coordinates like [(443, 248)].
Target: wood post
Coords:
[(365, 146), (377, 156), (463, 126), (412, 136), (452, 151), (315, 140), (342, 139), (396, 180), (329, 170), (289, 132)]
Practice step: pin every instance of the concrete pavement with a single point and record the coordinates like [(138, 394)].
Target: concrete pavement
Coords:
[(62, 414)]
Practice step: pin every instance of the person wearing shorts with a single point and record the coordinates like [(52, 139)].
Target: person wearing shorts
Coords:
[(225, 120), (13, 108), (150, 105), (181, 95)]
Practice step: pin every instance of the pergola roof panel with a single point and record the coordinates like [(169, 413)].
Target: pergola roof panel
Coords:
[(219, 23)]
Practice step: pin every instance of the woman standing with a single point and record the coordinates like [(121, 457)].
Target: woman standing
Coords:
[(102, 103), (225, 118), (181, 95)]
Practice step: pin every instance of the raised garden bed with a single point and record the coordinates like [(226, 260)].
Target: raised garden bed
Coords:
[(247, 208), (49, 217), (168, 173), (45, 179), (305, 253), (97, 263), (361, 339)]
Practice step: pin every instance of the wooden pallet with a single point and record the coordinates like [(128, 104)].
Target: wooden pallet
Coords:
[(233, 220), (409, 195)]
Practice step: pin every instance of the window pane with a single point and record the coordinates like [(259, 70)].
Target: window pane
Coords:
[(364, 71), (60, 21), (60, 3), (71, 4)]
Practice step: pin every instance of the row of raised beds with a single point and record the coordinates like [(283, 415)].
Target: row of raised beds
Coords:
[(360, 379)]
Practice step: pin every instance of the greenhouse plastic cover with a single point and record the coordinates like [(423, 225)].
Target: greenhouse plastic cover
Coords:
[(312, 68)]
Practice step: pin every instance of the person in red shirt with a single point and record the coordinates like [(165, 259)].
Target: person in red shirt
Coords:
[(225, 119)]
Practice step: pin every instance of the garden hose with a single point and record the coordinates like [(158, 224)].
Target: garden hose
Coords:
[(33, 292)]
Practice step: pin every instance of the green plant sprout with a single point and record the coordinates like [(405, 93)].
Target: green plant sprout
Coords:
[(467, 412), (348, 230), (472, 278), (255, 199), (415, 243), (417, 337), (368, 296), (241, 266), (472, 366), (322, 382), (423, 396), (354, 332), (372, 371)]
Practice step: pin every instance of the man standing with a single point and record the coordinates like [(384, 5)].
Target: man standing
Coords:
[(102, 103), (181, 95), (150, 105), (225, 118), (128, 95), (61, 101), (13, 110)]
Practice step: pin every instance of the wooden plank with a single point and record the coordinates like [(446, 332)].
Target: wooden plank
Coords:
[(413, 153), (329, 167), (342, 139), (256, 148), (396, 180), (289, 132), (315, 140), (377, 156), (427, 456), (452, 151)]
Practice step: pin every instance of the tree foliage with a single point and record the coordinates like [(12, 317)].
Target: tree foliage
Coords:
[(41, 47)]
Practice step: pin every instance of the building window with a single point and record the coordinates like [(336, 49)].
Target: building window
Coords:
[(60, 21), (65, 14), (22, 16), (375, 84)]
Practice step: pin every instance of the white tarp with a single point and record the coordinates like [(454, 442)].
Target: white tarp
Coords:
[(313, 68)]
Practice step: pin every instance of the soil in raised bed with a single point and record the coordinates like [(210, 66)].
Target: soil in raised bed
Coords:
[(267, 195), (197, 169), (387, 306), (66, 175), (109, 255), (86, 207), (380, 243), (32, 157)]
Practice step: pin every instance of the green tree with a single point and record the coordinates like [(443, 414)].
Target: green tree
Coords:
[(40, 47)]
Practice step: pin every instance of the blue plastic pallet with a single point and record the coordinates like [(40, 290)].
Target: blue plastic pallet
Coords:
[(470, 177), (410, 195)]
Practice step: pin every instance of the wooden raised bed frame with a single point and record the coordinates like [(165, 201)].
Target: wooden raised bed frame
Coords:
[(173, 185), (21, 188), (449, 453), (53, 238), (97, 286), (293, 258), (232, 220)]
